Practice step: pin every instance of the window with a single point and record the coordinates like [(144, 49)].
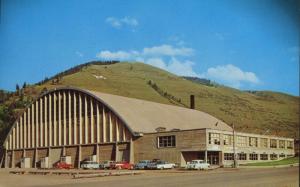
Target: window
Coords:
[(214, 138), (228, 156), (263, 156), (242, 156), (282, 155), (273, 157), (281, 144), (242, 141), (289, 144), (228, 139), (166, 141), (253, 142), (273, 143), (263, 142), (253, 156)]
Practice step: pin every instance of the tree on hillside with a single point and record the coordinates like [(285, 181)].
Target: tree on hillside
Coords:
[(17, 88), (24, 85)]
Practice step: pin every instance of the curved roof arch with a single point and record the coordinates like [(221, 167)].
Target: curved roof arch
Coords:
[(141, 116)]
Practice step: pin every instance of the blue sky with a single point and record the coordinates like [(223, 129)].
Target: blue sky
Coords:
[(246, 44)]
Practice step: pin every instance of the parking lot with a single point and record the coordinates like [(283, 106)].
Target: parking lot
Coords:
[(219, 177)]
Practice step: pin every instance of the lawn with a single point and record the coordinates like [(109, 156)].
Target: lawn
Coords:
[(286, 161)]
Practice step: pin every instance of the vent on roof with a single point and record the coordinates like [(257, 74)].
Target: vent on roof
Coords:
[(175, 130), (160, 129)]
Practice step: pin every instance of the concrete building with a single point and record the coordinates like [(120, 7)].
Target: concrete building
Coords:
[(75, 125)]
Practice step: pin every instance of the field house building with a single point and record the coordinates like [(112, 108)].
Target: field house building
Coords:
[(73, 125)]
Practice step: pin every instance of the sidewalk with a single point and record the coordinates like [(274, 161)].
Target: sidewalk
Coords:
[(278, 166)]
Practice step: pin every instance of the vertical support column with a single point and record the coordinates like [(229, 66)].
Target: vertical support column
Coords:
[(79, 155), (124, 133), (25, 129), (37, 124), (92, 120), (116, 152), (69, 119), (131, 156), (10, 141), (98, 125), (50, 120), (46, 123), (13, 158), (75, 118), (59, 119), (21, 132), (54, 120), (41, 123), (35, 157), (65, 119), (28, 128), (18, 134), (97, 153), (117, 130), (110, 127), (14, 138), (80, 119), (32, 125), (104, 125), (85, 120), (205, 156)]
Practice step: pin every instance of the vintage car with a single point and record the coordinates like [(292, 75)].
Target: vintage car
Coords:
[(90, 165), (197, 164), (62, 165), (142, 164), (105, 164), (121, 165), (160, 164)]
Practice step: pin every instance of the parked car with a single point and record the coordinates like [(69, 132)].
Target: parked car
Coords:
[(122, 165), (90, 165), (142, 164), (197, 164), (106, 164), (63, 165), (161, 165)]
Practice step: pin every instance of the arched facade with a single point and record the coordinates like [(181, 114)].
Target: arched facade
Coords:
[(68, 122)]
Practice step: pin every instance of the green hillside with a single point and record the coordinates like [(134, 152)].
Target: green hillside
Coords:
[(258, 112)]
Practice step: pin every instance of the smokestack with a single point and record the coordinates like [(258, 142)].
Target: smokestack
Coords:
[(192, 102)]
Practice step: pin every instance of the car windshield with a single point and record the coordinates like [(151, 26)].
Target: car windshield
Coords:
[(194, 162), (160, 162), (144, 161)]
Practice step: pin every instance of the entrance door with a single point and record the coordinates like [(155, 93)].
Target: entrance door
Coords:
[(213, 158)]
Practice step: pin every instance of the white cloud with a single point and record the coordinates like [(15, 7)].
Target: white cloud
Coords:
[(157, 62), (78, 53), (118, 55), (174, 60), (168, 50), (231, 75), (119, 22), (129, 21)]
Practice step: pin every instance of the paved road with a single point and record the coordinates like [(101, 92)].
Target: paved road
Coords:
[(222, 177)]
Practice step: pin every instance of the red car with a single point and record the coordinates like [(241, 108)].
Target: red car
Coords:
[(121, 165), (63, 165)]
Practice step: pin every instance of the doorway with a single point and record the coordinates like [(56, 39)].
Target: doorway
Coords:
[(213, 157)]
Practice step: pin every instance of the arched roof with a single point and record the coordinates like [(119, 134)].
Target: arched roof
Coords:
[(142, 116), (145, 116)]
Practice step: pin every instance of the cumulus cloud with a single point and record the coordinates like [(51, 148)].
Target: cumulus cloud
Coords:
[(168, 50), (119, 22), (175, 60), (231, 75)]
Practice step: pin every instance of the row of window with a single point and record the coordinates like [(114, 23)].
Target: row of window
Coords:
[(243, 141), (252, 156)]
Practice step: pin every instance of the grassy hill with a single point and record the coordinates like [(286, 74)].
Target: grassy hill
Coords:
[(258, 112)]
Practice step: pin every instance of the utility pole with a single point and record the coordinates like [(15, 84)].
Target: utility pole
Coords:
[(234, 152)]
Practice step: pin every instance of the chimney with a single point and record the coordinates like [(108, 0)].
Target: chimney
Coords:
[(192, 102)]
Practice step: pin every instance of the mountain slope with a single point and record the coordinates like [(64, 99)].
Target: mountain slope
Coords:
[(258, 112)]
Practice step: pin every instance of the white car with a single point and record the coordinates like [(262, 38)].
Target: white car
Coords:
[(90, 165), (197, 164), (161, 165)]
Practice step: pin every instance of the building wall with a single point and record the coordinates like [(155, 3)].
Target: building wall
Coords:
[(146, 147), (65, 118), (247, 148)]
